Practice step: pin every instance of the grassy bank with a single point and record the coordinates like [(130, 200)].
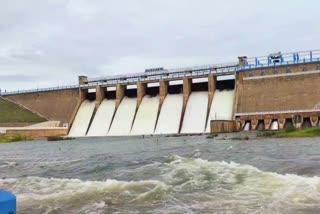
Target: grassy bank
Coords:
[(7, 138), (293, 133), (59, 138), (12, 113)]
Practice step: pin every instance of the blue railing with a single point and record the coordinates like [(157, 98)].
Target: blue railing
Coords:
[(279, 59)]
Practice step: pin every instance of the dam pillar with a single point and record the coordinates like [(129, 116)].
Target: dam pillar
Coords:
[(254, 124), (282, 123), (314, 121), (212, 80), (186, 90), (237, 87), (267, 123), (163, 90), (100, 95), (82, 96), (141, 91), (186, 93), (82, 92), (297, 121), (120, 90)]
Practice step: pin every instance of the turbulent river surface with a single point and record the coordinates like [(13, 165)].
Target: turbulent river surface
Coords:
[(163, 175)]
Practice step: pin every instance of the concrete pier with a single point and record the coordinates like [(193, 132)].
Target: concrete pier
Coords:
[(141, 91), (267, 123), (254, 124), (187, 82), (314, 121), (163, 90), (282, 123), (212, 82), (100, 95), (120, 91)]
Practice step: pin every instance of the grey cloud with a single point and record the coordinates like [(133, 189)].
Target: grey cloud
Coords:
[(54, 41)]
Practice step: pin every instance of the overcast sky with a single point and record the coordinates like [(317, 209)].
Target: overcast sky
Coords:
[(46, 43)]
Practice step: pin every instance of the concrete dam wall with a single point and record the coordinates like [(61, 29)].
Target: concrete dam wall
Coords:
[(267, 93), (53, 105), (276, 97)]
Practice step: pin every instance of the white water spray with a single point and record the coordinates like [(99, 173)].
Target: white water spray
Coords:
[(274, 125), (102, 120), (247, 126), (123, 119), (81, 121), (221, 106), (194, 120), (170, 114), (146, 117)]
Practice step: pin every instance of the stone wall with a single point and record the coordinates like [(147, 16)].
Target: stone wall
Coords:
[(282, 91), (39, 133), (53, 105)]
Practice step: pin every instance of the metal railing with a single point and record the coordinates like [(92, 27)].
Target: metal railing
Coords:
[(39, 90), (162, 76), (164, 72), (282, 60)]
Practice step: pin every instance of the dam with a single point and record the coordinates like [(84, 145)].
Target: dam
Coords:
[(259, 93)]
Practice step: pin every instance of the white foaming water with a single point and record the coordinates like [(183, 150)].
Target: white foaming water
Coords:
[(221, 106), (102, 120), (247, 126), (274, 125), (81, 121), (170, 114), (197, 185), (271, 191), (123, 119), (194, 120), (146, 117), (52, 195)]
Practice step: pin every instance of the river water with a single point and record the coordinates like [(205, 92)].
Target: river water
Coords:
[(163, 175)]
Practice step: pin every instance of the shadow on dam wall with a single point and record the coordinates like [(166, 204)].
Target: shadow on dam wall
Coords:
[(202, 86), (131, 93), (175, 89), (110, 95), (225, 84), (152, 91), (91, 96)]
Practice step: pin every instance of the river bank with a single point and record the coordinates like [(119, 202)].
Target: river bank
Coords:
[(292, 133), (8, 138)]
